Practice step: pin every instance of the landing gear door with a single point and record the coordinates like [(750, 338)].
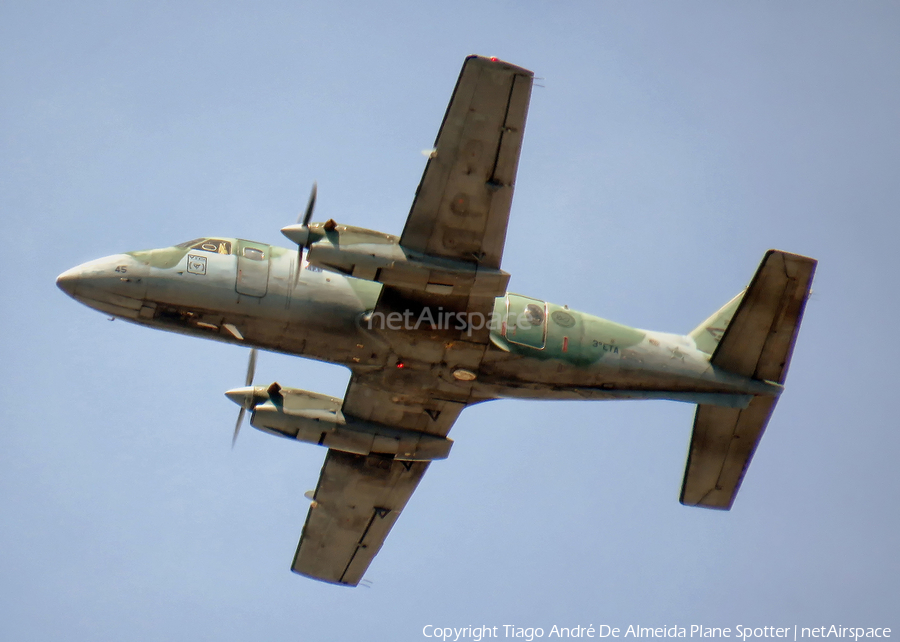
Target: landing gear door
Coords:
[(252, 268), (526, 321)]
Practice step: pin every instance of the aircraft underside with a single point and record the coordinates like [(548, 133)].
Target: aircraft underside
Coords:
[(426, 326)]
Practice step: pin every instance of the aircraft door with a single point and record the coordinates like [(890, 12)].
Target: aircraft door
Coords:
[(252, 268), (526, 321)]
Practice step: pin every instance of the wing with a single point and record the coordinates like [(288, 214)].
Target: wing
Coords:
[(458, 223), (461, 207), (357, 501), (460, 212), (358, 498)]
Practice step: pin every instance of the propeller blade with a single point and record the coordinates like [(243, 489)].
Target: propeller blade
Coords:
[(248, 400), (299, 231), (310, 205), (299, 263), (237, 426), (251, 367)]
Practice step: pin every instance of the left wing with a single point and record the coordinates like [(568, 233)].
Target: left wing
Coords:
[(358, 498), (462, 204), (458, 219)]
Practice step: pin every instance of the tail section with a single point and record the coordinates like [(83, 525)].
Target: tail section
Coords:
[(753, 336)]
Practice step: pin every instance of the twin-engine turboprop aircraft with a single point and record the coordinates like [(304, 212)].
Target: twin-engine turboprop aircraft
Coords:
[(426, 327)]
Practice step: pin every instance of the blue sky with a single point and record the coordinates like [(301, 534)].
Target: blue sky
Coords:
[(670, 145)]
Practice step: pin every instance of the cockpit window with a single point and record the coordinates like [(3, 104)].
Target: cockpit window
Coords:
[(189, 243), (253, 253), (216, 246)]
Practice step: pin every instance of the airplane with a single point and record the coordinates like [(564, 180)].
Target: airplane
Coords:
[(425, 325)]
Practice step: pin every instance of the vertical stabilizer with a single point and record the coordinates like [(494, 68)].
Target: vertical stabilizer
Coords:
[(708, 334)]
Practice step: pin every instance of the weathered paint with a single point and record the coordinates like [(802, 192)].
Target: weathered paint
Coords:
[(319, 315)]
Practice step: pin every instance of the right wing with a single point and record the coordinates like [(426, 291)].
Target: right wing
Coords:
[(358, 498), (357, 501), (420, 408)]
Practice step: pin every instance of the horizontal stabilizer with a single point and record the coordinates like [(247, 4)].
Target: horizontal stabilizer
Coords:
[(722, 445), (760, 338), (757, 343)]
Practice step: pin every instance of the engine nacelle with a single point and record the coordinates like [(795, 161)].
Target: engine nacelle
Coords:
[(317, 419), (374, 256)]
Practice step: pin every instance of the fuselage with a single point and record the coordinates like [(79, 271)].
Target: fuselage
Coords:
[(252, 294)]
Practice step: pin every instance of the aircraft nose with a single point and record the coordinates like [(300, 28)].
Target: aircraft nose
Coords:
[(68, 281), (115, 284)]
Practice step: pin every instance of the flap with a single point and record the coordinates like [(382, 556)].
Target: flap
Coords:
[(418, 408)]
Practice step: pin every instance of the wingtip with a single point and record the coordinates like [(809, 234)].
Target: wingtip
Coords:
[(494, 60)]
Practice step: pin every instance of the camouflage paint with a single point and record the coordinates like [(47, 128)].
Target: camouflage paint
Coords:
[(319, 315)]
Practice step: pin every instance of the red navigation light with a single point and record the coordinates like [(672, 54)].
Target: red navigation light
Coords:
[(494, 59), (400, 364)]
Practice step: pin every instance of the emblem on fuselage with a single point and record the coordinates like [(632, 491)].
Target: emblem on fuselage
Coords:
[(196, 264)]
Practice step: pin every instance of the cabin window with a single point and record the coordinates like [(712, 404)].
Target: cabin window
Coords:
[(534, 314), (253, 253)]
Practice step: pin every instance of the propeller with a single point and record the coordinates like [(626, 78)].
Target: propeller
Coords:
[(247, 401), (299, 231)]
